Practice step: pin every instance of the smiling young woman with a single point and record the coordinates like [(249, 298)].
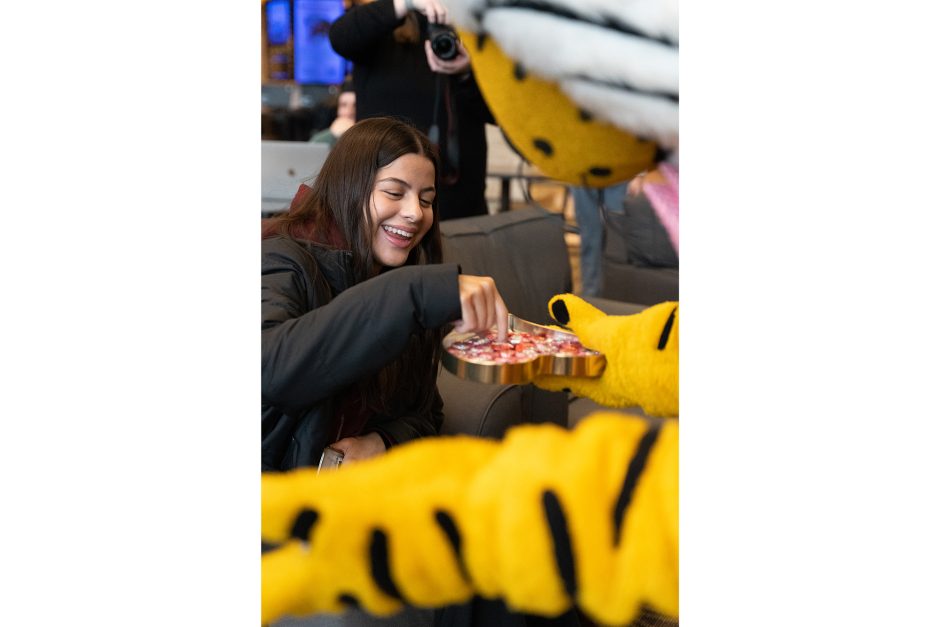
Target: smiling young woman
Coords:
[(354, 303)]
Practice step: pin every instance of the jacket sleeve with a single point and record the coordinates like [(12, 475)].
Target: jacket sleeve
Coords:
[(310, 350), (356, 33)]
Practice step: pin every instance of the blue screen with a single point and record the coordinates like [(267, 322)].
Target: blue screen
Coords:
[(277, 19), (315, 63)]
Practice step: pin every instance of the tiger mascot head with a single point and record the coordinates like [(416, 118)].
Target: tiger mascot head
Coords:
[(587, 90)]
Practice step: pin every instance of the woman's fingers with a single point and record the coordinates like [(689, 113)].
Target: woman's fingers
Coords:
[(440, 13), (481, 306), (434, 10), (502, 319)]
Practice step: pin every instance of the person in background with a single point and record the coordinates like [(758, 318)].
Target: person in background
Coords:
[(661, 187), (354, 301), (653, 192), (588, 214), (396, 73), (345, 117)]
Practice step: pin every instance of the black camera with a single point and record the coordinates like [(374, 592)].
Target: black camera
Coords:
[(443, 40)]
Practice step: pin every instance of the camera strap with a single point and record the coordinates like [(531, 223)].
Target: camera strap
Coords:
[(445, 139)]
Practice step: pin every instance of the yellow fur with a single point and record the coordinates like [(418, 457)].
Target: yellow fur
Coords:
[(637, 372), (352, 501), (583, 151), (493, 491)]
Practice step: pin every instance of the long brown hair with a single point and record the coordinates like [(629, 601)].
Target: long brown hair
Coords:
[(335, 213)]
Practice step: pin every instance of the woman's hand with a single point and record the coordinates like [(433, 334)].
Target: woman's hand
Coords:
[(433, 9), (481, 306), (358, 448), (458, 65)]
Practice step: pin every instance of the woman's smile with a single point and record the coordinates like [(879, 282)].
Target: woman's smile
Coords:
[(402, 208)]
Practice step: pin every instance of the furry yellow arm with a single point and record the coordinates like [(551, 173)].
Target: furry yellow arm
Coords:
[(336, 531), (544, 519), (642, 352)]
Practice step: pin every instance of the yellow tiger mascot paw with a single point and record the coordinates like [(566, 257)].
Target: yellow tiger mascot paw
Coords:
[(363, 535), (545, 519), (642, 352)]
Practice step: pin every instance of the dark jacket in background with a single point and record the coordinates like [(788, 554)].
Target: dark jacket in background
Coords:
[(320, 335), (393, 78)]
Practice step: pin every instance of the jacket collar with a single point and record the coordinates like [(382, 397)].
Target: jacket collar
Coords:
[(336, 265)]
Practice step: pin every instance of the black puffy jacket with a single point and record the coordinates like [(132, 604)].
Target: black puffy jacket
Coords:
[(320, 334)]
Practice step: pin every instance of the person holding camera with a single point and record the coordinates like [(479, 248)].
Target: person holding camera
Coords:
[(408, 63)]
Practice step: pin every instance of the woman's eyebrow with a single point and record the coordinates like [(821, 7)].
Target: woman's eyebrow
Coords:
[(392, 179)]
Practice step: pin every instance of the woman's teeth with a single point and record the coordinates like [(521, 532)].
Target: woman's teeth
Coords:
[(398, 232)]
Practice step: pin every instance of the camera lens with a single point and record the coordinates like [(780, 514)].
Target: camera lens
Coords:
[(443, 42)]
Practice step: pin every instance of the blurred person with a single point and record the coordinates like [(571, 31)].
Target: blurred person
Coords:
[(345, 117), (396, 73), (661, 187), (655, 190), (589, 205)]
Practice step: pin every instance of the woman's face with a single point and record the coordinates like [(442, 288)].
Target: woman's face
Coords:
[(401, 208)]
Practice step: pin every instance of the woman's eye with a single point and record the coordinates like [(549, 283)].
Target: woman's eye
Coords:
[(426, 203), (393, 194)]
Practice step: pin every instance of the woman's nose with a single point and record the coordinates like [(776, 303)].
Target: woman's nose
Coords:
[(411, 209)]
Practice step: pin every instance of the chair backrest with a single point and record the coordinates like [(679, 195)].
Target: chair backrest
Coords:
[(284, 166), (640, 264), (524, 250), (636, 236)]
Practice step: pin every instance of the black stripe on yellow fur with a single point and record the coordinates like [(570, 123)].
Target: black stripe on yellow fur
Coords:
[(561, 540), (634, 470), (449, 527), (304, 522), (378, 555), (349, 601), (664, 337)]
